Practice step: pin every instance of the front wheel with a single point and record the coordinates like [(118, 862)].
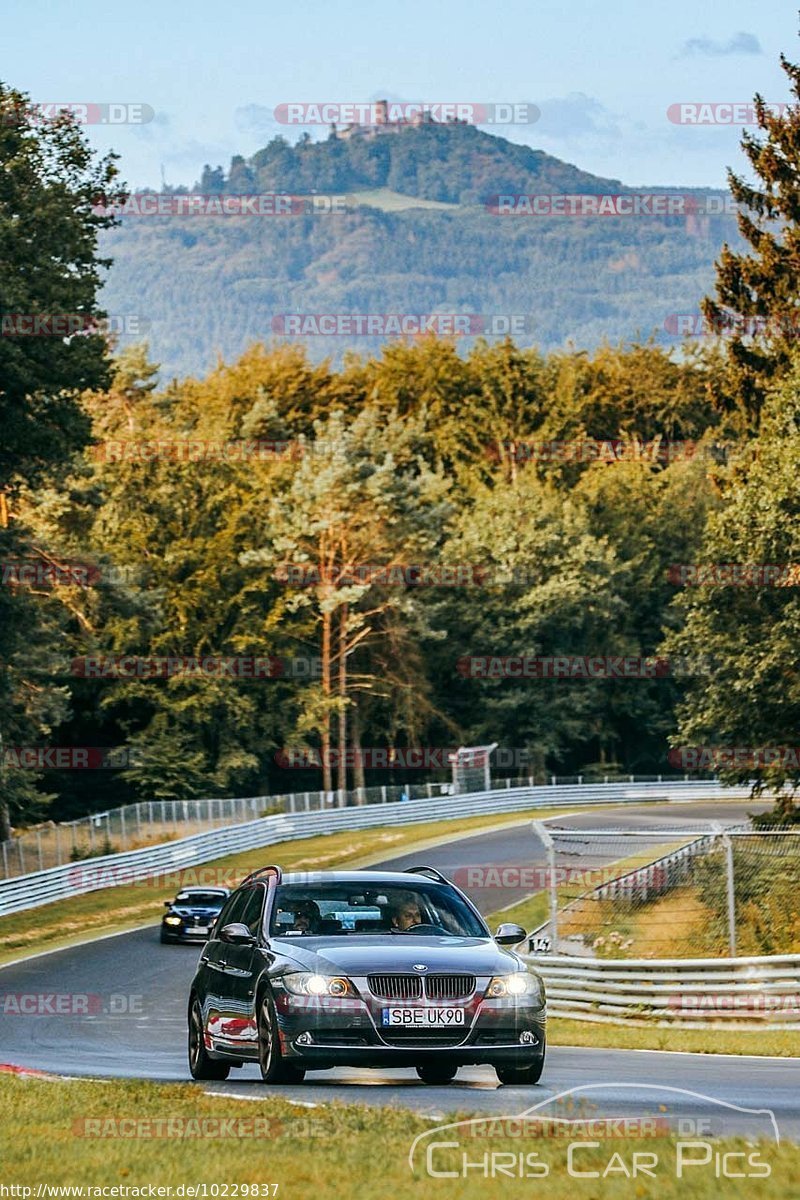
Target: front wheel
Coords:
[(437, 1072), (274, 1068), (530, 1073), (201, 1065)]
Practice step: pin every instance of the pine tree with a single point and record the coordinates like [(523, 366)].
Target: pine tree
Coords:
[(758, 293)]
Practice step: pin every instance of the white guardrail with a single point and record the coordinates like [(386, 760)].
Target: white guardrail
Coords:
[(684, 993), (113, 870)]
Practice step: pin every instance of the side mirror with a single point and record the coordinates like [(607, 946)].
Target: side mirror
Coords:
[(237, 935), (167, 904), (509, 935)]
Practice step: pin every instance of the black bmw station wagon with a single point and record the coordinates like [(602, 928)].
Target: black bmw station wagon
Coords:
[(362, 968)]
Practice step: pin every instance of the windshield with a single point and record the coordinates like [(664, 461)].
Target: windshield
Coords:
[(202, 899), (329, 910)]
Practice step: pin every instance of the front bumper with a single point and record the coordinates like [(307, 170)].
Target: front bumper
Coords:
[(183, 933), (322, 1031)]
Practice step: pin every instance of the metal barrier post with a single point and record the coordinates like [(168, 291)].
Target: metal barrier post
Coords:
[(544, 836)]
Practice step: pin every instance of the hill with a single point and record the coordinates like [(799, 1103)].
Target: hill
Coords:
[(410, 231)]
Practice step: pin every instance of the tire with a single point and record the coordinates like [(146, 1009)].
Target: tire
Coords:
[(201, 1065), (165, 939), (531, 1073), (274, 1068), (437, 1072)]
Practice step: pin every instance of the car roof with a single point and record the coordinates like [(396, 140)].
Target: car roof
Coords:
[(191, 891), (407, 878)]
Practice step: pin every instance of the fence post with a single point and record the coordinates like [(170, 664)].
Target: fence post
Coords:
[(728, 844), (383, 793), (21, 856), (122, 832), (5, 860), (58, 844), (39, 848), (544, 836)]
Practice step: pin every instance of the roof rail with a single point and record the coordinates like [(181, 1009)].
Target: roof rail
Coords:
[(254, 875), (431, 872)]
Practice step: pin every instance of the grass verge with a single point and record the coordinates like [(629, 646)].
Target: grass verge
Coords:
[(782, 1043), (66, 1133), (533, 911), (112, 910)]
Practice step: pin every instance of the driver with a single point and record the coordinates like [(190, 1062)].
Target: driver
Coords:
[(306, 917), (404, 911)]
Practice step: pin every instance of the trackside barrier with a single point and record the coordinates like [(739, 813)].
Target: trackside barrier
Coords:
[(686, 993), (113, 870)]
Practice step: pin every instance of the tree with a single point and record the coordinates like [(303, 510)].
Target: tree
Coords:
[(748, 633), (359, 498), (51, 348), (758, 300)]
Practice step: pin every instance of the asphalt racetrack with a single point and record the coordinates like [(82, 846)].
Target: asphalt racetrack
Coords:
[(136, 1026)]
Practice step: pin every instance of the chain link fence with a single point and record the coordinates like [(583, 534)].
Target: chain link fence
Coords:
[(668, 892), (152, 822)]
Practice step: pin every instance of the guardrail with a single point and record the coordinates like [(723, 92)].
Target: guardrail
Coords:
[(685, 993), (150, 822), (113, 870)]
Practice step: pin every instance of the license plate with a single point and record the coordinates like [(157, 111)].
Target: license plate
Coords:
[(201, 928), (425, 1018)]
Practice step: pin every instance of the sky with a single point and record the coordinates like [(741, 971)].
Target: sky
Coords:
[(603, 76)]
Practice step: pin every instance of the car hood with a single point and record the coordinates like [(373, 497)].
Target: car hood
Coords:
[(400, 953)]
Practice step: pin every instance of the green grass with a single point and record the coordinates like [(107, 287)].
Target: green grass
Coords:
[(326, 1152), (533, 910), (113, 910), (782, 1043)]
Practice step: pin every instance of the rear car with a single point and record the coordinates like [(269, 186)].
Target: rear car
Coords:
[(191, 915), (362, 968)]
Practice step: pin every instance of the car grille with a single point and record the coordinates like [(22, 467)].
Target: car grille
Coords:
[(410, 987), (395, 987), (449, 987)]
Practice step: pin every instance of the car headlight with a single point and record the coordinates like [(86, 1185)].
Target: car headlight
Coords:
[(317, 985), (172, 920), (521, 983)]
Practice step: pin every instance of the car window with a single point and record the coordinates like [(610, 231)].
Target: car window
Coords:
[(233, 910), (342, 908), (252, 913), (201, 899)]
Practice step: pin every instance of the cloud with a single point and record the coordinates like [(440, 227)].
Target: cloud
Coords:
[(740, 43), (576, 115)]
